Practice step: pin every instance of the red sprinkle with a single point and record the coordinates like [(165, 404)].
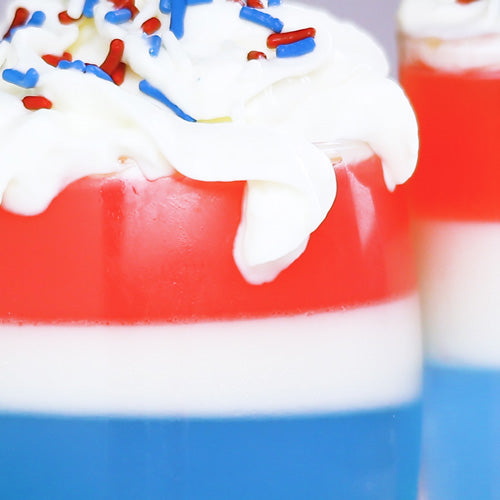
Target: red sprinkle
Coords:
[(118, 74), (55, 60), (114, 57), (466, 1), (35, 102), (20, 19), (126, 4), (255, 4), (64, 18), (277, 39), (151, 25), (255, 54)]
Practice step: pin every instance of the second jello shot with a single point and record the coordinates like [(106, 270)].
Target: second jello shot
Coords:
[(450, 68)]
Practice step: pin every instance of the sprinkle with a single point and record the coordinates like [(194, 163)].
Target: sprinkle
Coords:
[(258, 17), (88, 8), (165, 6), (155, 42), (76, 64), (150, 26), (26, 80), (65, 18), (127, 4), (197, 2), (273, 3), (119, 16), (296, 49), (177, 18), (20, 18), (36, 102), (118, 75), (37, 19), (290, 37), (115, 54), (95, 70), (54, 60), (255, 4), (149, 90), (255, 54)]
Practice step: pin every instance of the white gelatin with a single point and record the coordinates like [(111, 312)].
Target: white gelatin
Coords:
[(460, 283), (361, 358)]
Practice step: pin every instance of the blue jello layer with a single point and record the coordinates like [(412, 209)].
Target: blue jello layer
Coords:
[(358, 456), (462, 433)]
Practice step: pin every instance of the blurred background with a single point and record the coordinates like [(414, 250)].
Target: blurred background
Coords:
[(377, 16)]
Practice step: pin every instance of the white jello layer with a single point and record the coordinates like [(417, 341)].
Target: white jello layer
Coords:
[(362, 358), (460, 273)]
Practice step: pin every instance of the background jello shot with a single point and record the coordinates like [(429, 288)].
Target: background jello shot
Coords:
[(207, 283), (450, 68)]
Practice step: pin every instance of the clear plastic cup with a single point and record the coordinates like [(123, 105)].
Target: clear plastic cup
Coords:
[(136, 362), (456, 202)]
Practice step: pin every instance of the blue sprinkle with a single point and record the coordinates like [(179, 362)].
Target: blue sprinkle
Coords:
[(77, 64), (155, 42), (259, 17), (11, 34), (273, 3), (26, 80), (88, 8), (177, 18), (37, 19), (148, 89), (197, 2), (296, 49), (165, 6), (119, 16), (95, 70)]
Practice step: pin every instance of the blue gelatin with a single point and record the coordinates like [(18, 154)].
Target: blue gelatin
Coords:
[(462, 433), (359, 456)]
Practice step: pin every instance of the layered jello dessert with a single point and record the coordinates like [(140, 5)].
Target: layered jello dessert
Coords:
[(450, 68), (207, 281)]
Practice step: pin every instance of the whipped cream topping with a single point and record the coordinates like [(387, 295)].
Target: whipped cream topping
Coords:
[(451, 35), (256, 121)]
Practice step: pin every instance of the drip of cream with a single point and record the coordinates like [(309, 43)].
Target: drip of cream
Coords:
[(266, 115)]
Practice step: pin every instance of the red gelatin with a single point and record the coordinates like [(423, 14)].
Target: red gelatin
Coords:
[(123, 251), (458, 176)]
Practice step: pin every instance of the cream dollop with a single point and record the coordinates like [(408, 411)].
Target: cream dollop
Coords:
[(266, 115), (451, 35)]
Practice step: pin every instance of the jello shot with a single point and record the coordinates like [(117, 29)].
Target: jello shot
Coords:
[(208, 290), (450, 68)]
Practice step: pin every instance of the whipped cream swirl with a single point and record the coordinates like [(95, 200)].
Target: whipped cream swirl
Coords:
[(451, 35), (257, 120)]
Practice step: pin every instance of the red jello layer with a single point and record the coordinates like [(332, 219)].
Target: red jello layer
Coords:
[(113, 250), (458, 176)]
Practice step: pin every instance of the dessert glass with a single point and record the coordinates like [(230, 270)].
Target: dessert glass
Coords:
[(136, 362), (455, 194)]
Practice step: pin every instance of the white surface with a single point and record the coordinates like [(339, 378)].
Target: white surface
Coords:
[(363, 358), (460, 271)]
